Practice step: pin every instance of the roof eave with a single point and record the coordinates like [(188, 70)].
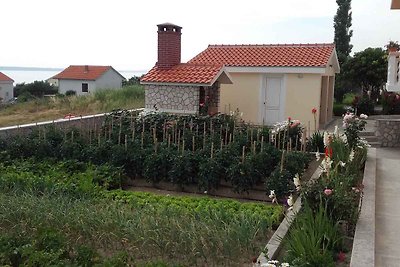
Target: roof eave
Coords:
[(175, 83)]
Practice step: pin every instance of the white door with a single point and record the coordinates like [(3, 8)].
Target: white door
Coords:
[(273, 100)]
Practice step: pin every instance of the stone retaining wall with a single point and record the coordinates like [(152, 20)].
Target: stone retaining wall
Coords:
[(169, 98), (388, 132)]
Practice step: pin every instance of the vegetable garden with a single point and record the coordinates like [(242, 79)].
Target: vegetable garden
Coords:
[(63, 201)]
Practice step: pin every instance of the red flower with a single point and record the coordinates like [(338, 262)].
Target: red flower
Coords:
[(314, 110), (289, 118), (328, 152)]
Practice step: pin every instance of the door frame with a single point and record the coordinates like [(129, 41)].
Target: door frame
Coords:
[(263, 92)]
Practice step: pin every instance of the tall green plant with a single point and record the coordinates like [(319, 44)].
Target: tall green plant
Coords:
[(313, 238)]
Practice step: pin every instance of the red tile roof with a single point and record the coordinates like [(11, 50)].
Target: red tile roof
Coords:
[(279, 55), (5, 78), (183, 73), (82, 72)]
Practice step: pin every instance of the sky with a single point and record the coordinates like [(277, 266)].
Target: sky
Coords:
[(123, 33)]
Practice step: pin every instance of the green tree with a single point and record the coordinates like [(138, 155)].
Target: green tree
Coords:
[(366, 70), (35, 89), (342, 24)]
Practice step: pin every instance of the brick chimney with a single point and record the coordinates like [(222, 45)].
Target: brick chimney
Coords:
[(169, 45)]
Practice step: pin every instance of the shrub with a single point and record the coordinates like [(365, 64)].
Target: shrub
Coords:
[(70, 93), (316, 142), (390, 103), (281, 182), (338, 109), (363, 105)]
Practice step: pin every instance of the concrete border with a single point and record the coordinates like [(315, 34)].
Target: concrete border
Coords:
[(363, 253), (275, 242)]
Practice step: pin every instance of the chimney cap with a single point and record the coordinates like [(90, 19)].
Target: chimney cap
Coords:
[(168, 24)]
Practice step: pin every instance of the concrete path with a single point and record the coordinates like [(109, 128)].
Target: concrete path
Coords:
[(387, 235)]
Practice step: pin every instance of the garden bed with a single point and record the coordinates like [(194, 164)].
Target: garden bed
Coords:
[(225, 189)]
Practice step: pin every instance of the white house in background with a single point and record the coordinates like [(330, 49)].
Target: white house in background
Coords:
[(393, 76), (87, 79), (6, 87)]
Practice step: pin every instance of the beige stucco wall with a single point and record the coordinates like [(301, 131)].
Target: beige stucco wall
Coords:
[(243, 94), (302, 95)]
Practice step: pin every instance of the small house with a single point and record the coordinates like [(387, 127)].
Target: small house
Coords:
[(267, 83), (6, 88), (87, 79)]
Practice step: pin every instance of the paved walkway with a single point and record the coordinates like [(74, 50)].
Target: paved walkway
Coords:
[(387, 235)]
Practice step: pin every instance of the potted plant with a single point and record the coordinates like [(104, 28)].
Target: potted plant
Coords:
[(393, 46)]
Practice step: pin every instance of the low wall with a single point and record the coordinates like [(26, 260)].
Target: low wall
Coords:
[(388, 131), (82, 122), (363, 253)]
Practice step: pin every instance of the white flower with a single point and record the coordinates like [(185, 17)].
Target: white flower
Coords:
[(326, 164), (344, 138), (363, 116), (285, 264), (317, 156), (326, 139), (336, 132), (351, 156), (272, 196), (290, 201), (342, 163), (296, 181)]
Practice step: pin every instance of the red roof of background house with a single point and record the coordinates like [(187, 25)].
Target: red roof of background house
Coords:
[(279, 55), (82, 72), (5, 78), (183, 73)]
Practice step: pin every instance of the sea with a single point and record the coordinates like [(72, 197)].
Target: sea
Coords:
[(28, 75)]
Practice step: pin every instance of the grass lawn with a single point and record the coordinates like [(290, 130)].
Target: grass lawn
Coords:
[(44, 109)]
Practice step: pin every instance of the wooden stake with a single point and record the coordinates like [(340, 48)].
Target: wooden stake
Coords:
[(183, 146), (120, 130), (282, 160), (193, 143), (133, 132), (126, 142), (221, 144), (262, 143), (212, 149), (226, 134), (142, 139), (72, 136), (243, 153), (99, 139), (254, 147)]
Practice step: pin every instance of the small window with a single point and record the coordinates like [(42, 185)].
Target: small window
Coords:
[(85, 87)]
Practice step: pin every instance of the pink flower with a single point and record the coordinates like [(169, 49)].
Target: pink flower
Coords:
[(289, 118), (201, 104), (341, 256), (328, 192)]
